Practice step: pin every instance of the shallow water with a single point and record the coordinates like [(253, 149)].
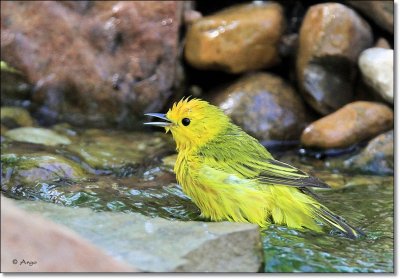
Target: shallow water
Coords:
[(369, 207), (366, 202)]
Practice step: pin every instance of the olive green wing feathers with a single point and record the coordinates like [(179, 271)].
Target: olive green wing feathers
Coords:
[(237, 153), (276, 172)]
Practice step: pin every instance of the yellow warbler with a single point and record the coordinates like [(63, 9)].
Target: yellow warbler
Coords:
[(230, 176)]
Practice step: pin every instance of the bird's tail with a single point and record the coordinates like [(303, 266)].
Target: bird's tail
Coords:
[(338, 222)]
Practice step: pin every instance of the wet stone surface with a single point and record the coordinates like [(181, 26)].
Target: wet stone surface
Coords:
[(238, 39), (97, 167), (330, 39), (115, 151), (159, 245), (355, 122), (377, 157), (37, 136)]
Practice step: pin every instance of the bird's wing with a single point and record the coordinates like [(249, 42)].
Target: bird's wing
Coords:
[(276, 172), (239, 154)]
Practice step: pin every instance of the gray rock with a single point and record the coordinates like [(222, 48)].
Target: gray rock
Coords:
[(32, 168), (265, 106), (376, 158), (37, 135), (376, 65), (159, 245)]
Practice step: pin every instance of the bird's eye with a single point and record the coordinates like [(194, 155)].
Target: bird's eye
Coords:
[(185, 121)]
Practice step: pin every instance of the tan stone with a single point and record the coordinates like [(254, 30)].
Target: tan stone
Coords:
[(351, 124), (237, 39), (331, 38), (30, 243), (382, 43)]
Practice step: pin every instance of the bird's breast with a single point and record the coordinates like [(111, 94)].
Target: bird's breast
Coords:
[(186, 170), (181, 169)]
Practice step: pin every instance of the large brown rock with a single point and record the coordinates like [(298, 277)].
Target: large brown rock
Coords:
[(265, 106), (331, 38), (351, 124), (238, 39), (381, 12), (30, 243), (93, 63)]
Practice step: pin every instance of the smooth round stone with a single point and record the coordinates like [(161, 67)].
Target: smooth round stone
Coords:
[(331, 38), (238, 39), (376, 65), (377, 157), (265, 106), (349, 125), (37, 135), (28, 170)]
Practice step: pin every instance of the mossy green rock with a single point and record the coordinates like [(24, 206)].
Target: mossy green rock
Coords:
[(37, 167), (113, 150), (37, 135), (16, 117)]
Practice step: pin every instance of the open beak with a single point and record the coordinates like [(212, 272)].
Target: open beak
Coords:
[(158, 124)]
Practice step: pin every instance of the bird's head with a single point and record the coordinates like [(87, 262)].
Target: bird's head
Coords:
[(192, 122)]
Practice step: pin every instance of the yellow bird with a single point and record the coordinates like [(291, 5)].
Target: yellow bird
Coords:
[(230, 176)]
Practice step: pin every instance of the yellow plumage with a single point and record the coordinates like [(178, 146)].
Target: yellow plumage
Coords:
[(230, 176)]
